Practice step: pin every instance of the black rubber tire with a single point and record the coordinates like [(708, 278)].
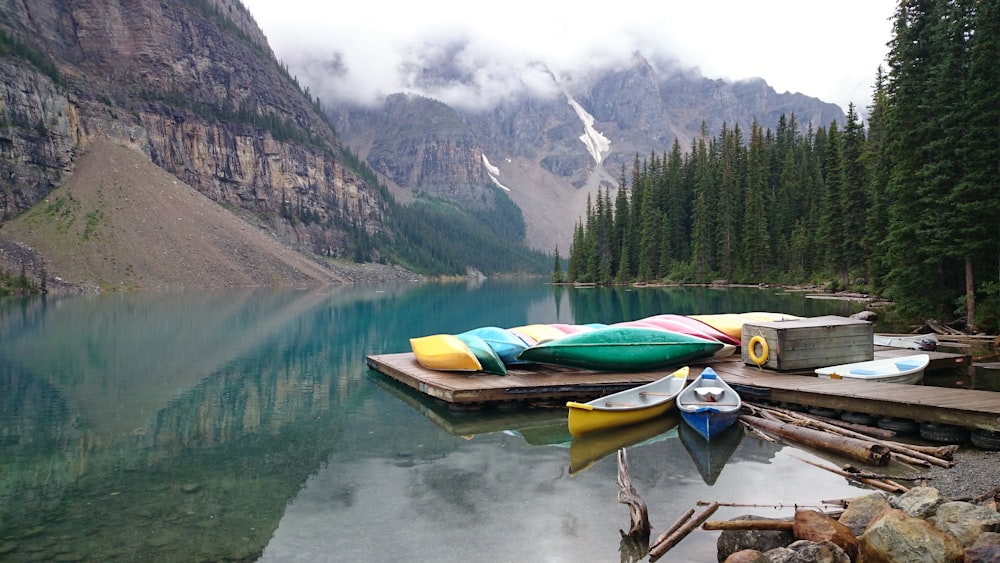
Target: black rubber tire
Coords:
[(945, 433), (824, 412), (858, 418), (985, 439), (898, 425)]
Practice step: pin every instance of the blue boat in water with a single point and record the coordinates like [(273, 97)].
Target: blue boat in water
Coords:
[(709, 405)]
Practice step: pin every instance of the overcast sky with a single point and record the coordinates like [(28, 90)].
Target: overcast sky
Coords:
[(364, 49)]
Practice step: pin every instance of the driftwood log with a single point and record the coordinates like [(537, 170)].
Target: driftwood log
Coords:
[(780, 525), (887, 486), (852, 448), (914, 455), (627, 494), (656, 551)]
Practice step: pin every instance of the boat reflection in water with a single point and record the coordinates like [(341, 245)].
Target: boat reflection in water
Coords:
[(711, 457), (588, 449)]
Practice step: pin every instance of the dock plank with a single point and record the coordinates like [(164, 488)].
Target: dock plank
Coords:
[(964, 407)]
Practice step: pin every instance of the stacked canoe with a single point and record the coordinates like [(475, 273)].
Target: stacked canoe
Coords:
[(655, 342)]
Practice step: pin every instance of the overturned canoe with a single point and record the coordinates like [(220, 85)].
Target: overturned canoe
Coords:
[(621, 348), (905, 369), (534, 333), (626, 407), (444, 352), (487, 357), (694, 327), (506, 344)]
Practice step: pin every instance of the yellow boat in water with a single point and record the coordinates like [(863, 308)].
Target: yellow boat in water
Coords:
[(444, 352), (627, 407)]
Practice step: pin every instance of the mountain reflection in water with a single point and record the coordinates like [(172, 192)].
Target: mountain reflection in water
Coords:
[(244, 424)]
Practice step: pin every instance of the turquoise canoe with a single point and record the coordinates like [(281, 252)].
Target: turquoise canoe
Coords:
[(506, 344), (621, 348), (487, 357)]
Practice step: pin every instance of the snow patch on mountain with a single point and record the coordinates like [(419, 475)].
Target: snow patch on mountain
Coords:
[(597, 144), (494, 173)]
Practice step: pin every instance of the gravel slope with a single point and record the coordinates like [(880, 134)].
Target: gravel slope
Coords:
[(120, 222)]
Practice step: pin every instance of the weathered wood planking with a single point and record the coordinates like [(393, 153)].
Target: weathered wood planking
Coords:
[(974, 409), (963, 407), (544, 383), (811, 343)]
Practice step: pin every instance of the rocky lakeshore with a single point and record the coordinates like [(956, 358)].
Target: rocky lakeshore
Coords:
[(950, 517)]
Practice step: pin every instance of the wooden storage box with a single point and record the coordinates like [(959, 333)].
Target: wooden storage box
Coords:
[(807, 344)]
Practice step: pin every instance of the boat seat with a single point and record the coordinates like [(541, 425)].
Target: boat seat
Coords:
[(709, 394)]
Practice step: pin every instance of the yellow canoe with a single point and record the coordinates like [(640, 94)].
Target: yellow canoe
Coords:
[(444, 352), (732, 323), (627, 407), (538, 332), (729, 323)]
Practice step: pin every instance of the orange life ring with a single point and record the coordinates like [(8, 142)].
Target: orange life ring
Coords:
[(752, 350)]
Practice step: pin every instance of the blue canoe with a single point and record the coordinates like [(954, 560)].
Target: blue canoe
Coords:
[(709, 405)]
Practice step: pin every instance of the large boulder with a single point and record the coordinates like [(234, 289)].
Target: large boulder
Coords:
[(919, 502), (731, 541), (895, 536), (966, 521), (817, 527), (747, 556), (861, 510), (805, 551)]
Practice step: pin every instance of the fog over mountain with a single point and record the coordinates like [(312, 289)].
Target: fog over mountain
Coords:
[(365, 51)]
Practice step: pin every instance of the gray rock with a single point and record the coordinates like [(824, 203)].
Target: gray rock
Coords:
[(895, 536), (731, 541), (966, 521), (805, 551), (919, 502), (861, 510)]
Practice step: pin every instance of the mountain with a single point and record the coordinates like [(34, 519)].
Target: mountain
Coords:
[(193, 87), (549, 154)]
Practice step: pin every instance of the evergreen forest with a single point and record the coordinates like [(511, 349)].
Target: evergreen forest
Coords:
[(905, 205)]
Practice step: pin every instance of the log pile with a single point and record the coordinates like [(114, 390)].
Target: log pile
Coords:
[(866, 445)]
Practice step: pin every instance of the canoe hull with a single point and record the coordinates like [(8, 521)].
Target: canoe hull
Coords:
[(444, 352), (627, 407), (487, 357), (709, 417), (905, 369), (506, 344), (621, 349)]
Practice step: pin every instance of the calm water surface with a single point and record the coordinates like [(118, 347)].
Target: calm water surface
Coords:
[(245, 425)]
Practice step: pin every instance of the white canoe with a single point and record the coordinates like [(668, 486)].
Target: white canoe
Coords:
[(904, 369)]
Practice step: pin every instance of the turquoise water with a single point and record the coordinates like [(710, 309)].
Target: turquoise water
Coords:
[(245, 425)]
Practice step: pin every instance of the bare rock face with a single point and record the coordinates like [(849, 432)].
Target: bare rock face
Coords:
[(193, 85), (896, 536)]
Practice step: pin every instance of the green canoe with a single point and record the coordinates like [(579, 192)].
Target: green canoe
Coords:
[(623, 348)]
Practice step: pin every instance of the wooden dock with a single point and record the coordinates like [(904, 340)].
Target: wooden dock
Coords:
[(553, 384)]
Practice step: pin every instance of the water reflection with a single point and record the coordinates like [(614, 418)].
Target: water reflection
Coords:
[(231, 424)]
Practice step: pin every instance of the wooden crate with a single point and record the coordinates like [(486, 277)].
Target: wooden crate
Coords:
[(807, 344)]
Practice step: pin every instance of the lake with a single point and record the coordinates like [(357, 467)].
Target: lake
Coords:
[(246, 425)]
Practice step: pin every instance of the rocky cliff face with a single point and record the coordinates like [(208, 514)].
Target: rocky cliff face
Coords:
[(191, 83), (551, 154)]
